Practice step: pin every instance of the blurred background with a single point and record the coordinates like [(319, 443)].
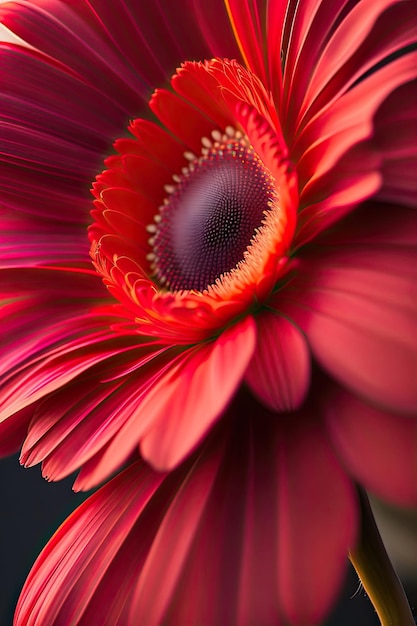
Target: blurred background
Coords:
[(32, 509)]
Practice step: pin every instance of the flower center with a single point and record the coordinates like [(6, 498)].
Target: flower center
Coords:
[(212, 214)]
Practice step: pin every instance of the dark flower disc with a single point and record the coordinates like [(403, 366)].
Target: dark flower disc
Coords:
[(211, 216)]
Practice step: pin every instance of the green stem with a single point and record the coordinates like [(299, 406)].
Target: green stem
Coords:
[(377, 574)]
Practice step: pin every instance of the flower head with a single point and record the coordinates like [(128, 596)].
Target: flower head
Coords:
[(237, 304)]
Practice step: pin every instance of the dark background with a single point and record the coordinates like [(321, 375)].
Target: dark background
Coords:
[(31, 510)]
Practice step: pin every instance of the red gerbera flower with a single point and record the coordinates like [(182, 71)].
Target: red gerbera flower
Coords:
[(242, 312)]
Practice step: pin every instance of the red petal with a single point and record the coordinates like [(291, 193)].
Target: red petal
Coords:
[(396, 138), (308, 27), (27, 242), (195, 83), (177, 403), (185, 406), (84, 431), (359, 315), (72, 566), (378, 449), (374, 223), (57, 354), (58, 31), (248, 19), (155, 142), (13, 431), (221, 540), (340, 153), (329, 128), (279, 372), (66, 436), (184, 121), (317, 522), (377, 30), (28, 292), (166, 558)]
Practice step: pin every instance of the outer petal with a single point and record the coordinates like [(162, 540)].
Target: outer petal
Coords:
[(340, 155), (223, 539), (74, 348), (114, 45), (103, 54), (248, 19), (13, 431), (73, 376), (396, 138), (308, 25), (368, 33), (27, 332), (316, 524), (374, 224), (43, 170), (75, 562), (26, 242), (115, 48), (378, 449), (207, 385), (357, 307), (279, 373), (182, 404)]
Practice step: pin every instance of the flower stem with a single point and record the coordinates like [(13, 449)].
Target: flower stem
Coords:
[(377, 574)]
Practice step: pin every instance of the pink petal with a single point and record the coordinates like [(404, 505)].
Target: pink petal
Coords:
[(279, 372), (35, 380), (357, 307), (308, 26), (328, 131), (188, 30), (215, 27), (357, 179), (42, 171), (39, 149), (185, 406), (58, 352), (27, 191), (175, 405), (117, 47), (66, 437), (26, 242), (27, 293), (340, 153), (92, 51), (396, 138), (13, 431), (59, 33), (72, 566), (252, 553), (374, 224), (221, 540), (167, 558), (39, 99), (278, 15), (248, 20), (378, 449), (317, 522), (376, 30)]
